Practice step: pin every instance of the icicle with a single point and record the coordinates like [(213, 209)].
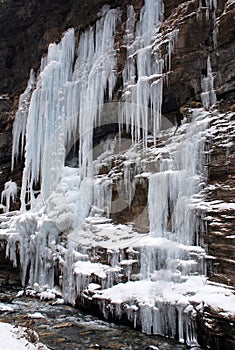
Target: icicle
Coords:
[(208, 96), (143, 67), (102, 196), (64, 102), (46, 114), (9, 194), (172, 39), (19, 126), (210, 8), (171, 190), (95, 72), (158, 209)]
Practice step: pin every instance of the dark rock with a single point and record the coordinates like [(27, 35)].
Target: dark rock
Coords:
[(9, 275)]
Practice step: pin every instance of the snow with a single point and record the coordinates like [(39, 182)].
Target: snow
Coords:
[(4, 307), (4, 97), (20, 293), (107, 235), (194, 290), (47, 295), (16, 338), (157, 301), (36, 315)]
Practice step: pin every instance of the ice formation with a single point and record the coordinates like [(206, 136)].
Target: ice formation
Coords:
[(19, 127), (68, 238), (209, 7), (9, 194), (208, 95), (143, 73), (72, 102)]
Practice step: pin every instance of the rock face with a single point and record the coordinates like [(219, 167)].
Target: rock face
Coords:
[(221, 221), (9, 275), (196, 39)]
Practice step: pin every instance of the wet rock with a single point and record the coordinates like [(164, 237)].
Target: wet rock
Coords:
[(6, 298), (9, 275), (64, 325), (221, 223)]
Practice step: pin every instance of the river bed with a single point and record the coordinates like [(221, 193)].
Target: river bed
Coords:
[(63, 327)]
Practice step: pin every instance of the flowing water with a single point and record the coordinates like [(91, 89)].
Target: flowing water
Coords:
[(65, 327)]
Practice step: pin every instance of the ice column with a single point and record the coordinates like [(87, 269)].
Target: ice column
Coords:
[(45, 118), (208, 96), (95, 74)]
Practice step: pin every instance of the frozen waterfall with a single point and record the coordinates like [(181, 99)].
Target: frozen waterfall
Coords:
[(69, 237), (143, 73), (65, 105)]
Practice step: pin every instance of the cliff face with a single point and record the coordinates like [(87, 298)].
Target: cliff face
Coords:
[(196, 39), (28, 27)]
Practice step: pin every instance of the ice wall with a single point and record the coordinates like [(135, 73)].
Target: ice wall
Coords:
[(65, 105), (142, 74), (174, 189), (45, 116), (173, 195)]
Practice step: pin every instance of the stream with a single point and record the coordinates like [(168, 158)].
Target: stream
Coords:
[(63, 327)]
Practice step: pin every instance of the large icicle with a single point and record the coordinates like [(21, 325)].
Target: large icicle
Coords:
[(172, 191), (208, 96), (142, 75), (19, 127), (95, 73), (65, 103), (46, 115)]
